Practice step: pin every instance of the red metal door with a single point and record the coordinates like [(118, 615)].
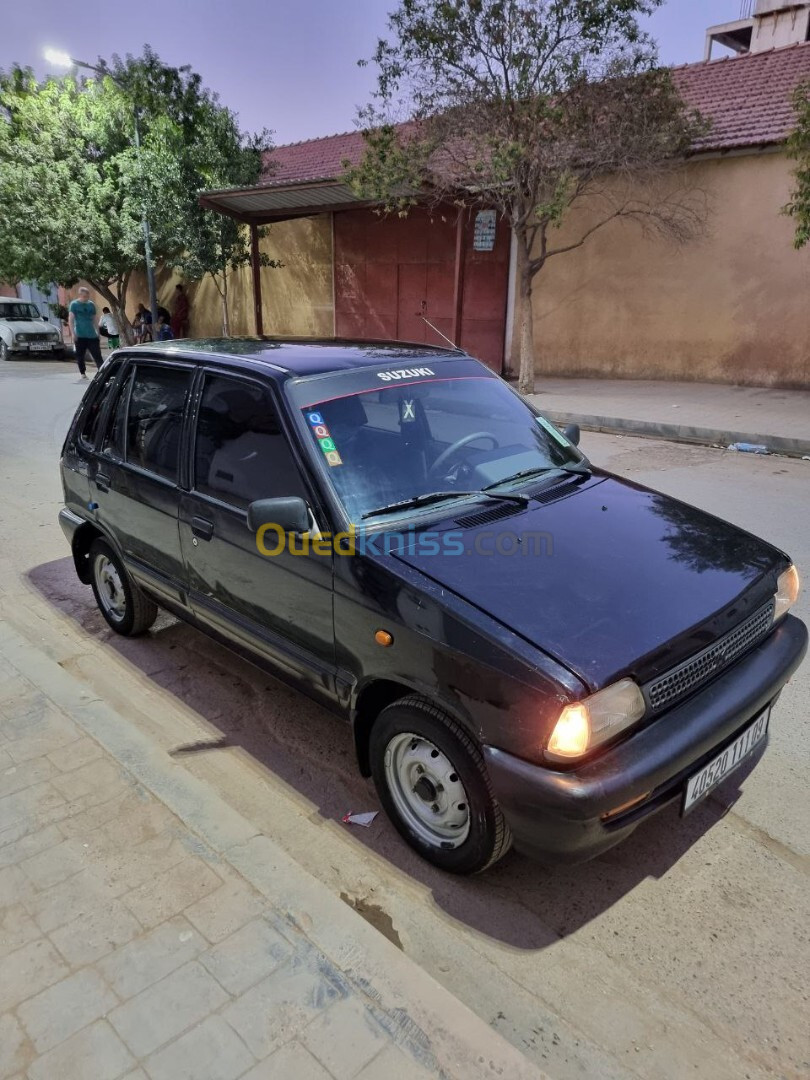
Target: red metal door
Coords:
[(392, 271)]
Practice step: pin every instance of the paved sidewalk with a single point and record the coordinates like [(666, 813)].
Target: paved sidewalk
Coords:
[(148, 930), (684, 412)]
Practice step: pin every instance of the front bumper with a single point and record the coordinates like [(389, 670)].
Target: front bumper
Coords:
[(23, 348), (557, 816)]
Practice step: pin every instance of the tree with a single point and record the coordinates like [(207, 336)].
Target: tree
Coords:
[(533, 107), (73, 189), (799, 150)]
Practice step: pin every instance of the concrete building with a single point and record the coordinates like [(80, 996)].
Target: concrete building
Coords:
[(763, 24)]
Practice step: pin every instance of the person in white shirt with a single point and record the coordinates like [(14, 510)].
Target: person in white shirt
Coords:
[(108, 325)]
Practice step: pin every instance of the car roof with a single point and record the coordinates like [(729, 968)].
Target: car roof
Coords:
[(294, 357)]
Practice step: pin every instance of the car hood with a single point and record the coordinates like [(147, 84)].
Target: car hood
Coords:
[(611, 578), (26, 326)]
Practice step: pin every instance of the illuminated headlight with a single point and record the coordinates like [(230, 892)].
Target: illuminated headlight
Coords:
[(787, 592), (585, 724)]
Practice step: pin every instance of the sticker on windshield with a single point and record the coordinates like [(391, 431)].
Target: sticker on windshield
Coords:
[(547, 426), (324, 437), (333, 458), (406, 412), (405, 373)]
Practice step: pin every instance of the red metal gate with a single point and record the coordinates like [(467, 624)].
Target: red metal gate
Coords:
[(389, 271)]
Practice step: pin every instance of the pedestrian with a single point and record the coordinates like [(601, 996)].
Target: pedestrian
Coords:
[(108, 326), (181, 313), (144, 323), (82, 323), (164, 330)]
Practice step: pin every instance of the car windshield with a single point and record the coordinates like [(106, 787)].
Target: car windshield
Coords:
[(400, 447), (19, 312)]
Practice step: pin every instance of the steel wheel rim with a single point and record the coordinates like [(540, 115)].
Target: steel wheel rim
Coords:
[(427, 791), (110, 588)]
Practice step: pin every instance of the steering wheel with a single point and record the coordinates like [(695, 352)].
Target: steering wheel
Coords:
[(459, 444)]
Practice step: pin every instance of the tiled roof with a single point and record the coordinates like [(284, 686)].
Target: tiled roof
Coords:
[(746, 98)]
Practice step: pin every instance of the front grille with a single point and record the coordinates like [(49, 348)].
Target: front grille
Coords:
[(705, 665), (35, 337)]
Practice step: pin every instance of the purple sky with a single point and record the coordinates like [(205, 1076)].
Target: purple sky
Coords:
[(289, 65)]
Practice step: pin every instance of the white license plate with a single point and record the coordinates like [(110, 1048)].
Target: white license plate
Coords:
[(39, 346), (699, 785)]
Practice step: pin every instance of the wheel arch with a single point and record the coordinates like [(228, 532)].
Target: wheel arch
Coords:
[(376, 695), (82, 542)]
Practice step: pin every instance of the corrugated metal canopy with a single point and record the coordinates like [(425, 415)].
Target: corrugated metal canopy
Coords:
[(257, 205)]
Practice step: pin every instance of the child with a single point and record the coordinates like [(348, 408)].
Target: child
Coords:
[(108, 326), (164, 331)]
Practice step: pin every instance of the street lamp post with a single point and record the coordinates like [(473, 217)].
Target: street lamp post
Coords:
[(62, 59)]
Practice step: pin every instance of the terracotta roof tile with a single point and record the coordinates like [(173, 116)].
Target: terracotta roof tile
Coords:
[(747, 98)]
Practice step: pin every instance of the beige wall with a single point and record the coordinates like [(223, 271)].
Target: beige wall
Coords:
[(732, 307), (297, 297)]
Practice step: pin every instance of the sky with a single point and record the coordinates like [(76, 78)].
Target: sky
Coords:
[(287, 65)]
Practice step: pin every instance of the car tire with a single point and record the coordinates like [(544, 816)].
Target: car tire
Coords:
[(5, 352), (432, 781), (127, 610)]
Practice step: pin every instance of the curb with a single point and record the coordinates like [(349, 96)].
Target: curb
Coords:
[(651, 429), (460, 1042)]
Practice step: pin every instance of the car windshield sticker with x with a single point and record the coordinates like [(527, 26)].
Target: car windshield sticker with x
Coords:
[(406, 412), (325, 440)]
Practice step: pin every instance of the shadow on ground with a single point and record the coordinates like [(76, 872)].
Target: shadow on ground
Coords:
[(517, 902)]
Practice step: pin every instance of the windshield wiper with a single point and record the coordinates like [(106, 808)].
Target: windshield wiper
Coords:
[(538, 470), (438, 496)]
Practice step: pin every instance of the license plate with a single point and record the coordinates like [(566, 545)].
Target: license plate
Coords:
[(39, 346), (699, 785)]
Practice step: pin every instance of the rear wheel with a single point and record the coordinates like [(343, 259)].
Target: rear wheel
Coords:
[(125, 607), (433, 784)]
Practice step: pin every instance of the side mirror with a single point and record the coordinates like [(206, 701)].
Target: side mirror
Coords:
[(290, 514), (572, 433)]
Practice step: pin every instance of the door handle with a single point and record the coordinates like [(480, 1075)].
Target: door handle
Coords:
[(202, 527), (102, 482)]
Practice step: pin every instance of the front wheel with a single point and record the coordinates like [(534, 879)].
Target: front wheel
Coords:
[(5, 352), (127, 610), (432, 781)]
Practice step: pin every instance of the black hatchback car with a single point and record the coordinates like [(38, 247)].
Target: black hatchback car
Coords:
[(527, 647)]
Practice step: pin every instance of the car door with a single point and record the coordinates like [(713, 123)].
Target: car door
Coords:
[(278, 606), (135, 479)]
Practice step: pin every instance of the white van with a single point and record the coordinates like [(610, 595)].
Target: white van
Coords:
[(24, 330)]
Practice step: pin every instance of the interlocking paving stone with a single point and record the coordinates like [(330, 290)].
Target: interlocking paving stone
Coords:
[(210, 1051), (280, 1006), (222, 912), (14, 1051), (91, 936), (29, 845), (392, 1064), (82, 894), (247, 956), (54, 865), (292, 1062), (172, 891), (153, 956), (15, 777), (28, 970), (96, 1053), (166, 1009), (17, 928), (65, 1008), (76, 754), (344, 1039)]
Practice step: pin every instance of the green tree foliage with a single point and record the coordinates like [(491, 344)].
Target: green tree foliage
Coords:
[(799, 149), (73, 190), (535, 108)]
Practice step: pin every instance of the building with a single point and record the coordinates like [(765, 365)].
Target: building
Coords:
[(764, 24)]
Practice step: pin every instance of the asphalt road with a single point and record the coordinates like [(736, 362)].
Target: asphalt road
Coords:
[(684, 952)]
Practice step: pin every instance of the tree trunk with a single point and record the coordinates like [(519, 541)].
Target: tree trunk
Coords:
[(526, 376), (226, 316), (118, 304)]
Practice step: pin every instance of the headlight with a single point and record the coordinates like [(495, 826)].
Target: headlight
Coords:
[(787, 592), (19, 337), (586, 724)]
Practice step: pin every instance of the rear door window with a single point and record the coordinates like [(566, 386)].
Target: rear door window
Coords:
[(154, 419), (240, 452)]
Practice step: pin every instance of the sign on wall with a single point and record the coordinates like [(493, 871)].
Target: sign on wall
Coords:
[(484, 234)]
